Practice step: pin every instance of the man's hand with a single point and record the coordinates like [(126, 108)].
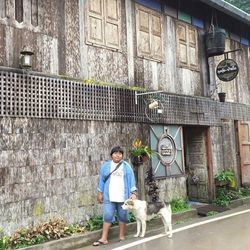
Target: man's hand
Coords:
[(133, 196), (100, 197)]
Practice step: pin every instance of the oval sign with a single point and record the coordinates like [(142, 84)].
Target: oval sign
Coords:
[(167, 149), (227, 70)]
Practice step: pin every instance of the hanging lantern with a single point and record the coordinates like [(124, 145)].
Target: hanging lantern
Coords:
[(26, 58)]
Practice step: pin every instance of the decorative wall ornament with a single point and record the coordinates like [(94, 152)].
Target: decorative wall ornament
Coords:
[(167, 149), (153, 104)]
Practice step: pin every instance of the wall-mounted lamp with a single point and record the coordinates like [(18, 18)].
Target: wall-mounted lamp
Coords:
[(25, 60), (154, 104)]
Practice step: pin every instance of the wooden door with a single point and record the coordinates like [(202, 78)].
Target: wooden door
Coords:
[(244, 145), (196, 164)]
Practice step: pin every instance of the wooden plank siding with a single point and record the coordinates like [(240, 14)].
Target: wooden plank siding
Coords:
[(120, 42)]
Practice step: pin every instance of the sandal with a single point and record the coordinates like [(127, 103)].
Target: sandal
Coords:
[(99, 243)]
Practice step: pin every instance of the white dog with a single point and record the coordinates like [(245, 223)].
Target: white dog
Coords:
[(144, 211)]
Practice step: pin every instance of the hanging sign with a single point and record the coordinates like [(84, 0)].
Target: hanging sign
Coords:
[(227, 70)]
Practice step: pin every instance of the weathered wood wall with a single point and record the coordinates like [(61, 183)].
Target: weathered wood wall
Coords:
[(60, 47)]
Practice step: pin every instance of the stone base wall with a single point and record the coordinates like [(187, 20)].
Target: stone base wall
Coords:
[(50, 167)]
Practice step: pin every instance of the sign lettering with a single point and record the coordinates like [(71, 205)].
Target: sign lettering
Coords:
[(227, 70)]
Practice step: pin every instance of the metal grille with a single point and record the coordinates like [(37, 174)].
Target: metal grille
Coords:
[(27, 95)]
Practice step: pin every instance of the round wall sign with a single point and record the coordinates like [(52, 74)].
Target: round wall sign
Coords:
[(167, 149), (227, 70)]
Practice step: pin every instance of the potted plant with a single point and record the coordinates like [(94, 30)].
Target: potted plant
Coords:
[(225, 178), (222, 96), (139, 152)]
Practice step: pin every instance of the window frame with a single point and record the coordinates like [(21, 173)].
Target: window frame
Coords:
[(151, 56), (104, 23), (189, 44)]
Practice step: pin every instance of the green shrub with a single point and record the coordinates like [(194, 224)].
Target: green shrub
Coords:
[(55, 228), (95, 223), (222, 199), (224, 196), (179, 205), (245, 191), (131, 217), (4, 240), (226, 176)]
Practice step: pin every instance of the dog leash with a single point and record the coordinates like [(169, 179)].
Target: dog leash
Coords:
[(106, 177)]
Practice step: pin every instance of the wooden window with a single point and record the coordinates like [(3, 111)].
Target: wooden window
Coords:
[(34, 12), (187, 46), (149, 33), (19, 10), (103, 23), (2, 8), (23, 11)]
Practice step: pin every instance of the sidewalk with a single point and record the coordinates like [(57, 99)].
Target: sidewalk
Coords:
[(82, 240), (86, 239)]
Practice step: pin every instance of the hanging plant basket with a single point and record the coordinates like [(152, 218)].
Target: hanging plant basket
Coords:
[(137, 160), (144, 158)]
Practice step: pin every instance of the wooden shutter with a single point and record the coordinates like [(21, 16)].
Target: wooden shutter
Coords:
[(244, 142), (187, 52), (183, 44), (142, 31), (112, 24), (95, 22), (192, 35), (149, 33), (156, 31)]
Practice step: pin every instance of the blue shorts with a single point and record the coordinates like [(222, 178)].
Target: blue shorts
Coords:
[(109, 209)]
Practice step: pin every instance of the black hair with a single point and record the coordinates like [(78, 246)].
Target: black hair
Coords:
[(116, 149)]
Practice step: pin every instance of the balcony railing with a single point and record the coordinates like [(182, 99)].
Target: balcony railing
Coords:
[(25, 94)]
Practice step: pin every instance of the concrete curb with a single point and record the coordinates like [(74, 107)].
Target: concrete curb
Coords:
[(239, 202), (86, 239)]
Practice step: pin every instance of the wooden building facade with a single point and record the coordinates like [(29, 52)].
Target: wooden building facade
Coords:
[(97, 65)]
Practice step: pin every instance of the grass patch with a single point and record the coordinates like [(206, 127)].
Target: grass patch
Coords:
[(212, 213), (179, 205)]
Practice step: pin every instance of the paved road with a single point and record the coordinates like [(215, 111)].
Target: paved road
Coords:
[(227, 231)]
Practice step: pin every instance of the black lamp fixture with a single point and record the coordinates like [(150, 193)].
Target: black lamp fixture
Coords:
[(25, 59)]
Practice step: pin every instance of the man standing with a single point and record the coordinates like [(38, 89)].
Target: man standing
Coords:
[(116, 184)]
